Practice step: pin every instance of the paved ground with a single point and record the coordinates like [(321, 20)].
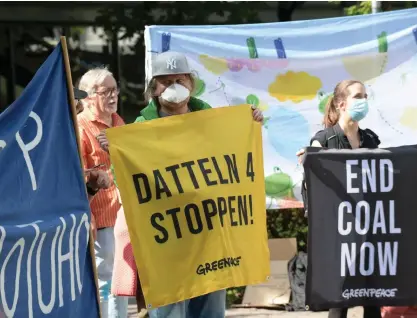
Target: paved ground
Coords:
[(262, 313)]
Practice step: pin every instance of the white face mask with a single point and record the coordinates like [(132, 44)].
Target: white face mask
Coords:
[(175, 93)]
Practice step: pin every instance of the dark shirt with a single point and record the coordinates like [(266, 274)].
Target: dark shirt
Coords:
[(368, 139)]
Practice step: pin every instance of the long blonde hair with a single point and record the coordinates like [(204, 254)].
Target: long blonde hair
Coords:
[(341, 92)]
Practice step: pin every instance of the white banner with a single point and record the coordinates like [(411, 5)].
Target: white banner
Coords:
[(289, 69)]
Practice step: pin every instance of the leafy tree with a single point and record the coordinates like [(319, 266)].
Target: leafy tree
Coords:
[(365, 7)]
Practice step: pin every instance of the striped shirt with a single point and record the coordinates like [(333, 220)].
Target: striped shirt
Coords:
[(106, 202)]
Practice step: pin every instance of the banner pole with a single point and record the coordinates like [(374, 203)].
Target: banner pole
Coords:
[(71, 101)]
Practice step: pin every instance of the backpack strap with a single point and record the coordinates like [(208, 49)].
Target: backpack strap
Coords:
[(332, 142)]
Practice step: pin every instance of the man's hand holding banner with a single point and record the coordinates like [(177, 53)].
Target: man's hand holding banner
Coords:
[(193, 192)]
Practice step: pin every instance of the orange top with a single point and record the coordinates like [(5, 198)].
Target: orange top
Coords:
[(106, 203)]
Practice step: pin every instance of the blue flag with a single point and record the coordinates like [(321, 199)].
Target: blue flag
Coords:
[(45, 264)]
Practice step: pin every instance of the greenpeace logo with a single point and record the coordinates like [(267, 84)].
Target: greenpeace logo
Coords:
[(369, 293), (226, 262)]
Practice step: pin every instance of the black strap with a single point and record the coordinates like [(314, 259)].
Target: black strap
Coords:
[(332, 142)]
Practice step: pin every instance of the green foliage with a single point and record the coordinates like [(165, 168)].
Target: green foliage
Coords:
[(288, 223), (280, 224), (234, 296), (365, 7)]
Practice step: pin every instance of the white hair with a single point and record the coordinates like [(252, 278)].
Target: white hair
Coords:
[(94, 77)]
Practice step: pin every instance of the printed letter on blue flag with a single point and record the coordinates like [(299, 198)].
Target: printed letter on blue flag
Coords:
[(45, 263)]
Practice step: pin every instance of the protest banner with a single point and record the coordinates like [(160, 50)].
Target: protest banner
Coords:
[(46, 268), (193, 193), (289, 71), (362, 227)]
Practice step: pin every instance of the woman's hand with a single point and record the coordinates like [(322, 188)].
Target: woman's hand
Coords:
[(257, 114), (300, 154), (102, 140)]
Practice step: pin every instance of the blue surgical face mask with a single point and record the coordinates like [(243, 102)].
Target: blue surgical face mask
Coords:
[(358, 109)]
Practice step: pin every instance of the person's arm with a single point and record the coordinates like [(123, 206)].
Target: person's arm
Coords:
[(300, 153), (97, 180)]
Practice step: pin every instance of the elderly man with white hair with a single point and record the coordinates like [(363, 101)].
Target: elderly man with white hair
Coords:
[(99, 113)]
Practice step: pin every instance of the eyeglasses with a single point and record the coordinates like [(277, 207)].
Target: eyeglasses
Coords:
[(108, 92)]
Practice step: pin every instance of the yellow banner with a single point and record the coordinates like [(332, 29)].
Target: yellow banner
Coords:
[(193, 192)]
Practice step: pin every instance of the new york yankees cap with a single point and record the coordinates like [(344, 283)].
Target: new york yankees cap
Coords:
[(169, 63)]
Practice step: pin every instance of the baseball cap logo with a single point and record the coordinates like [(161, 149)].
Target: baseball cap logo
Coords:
[(171, 64)]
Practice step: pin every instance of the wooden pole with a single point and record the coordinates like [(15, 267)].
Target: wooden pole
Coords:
[(71, 102)]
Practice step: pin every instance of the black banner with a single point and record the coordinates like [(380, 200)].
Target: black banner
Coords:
[(362, 227)]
